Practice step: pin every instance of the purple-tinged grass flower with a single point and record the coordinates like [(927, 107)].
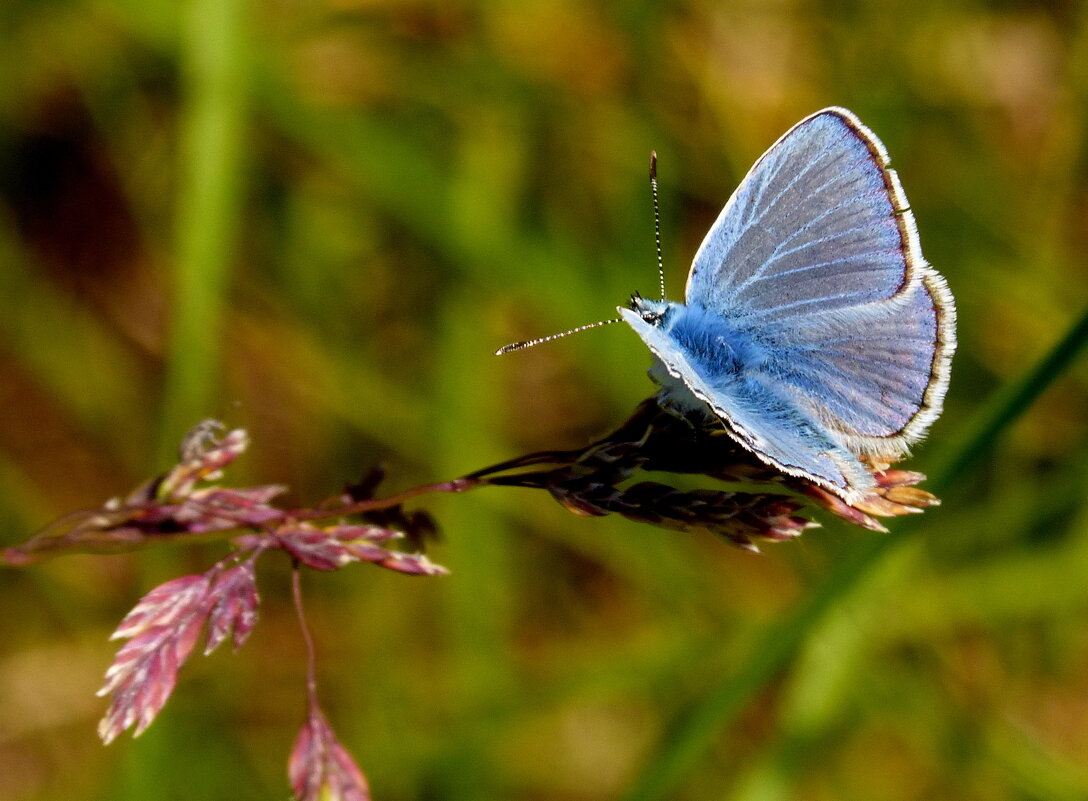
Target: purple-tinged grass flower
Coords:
[(171, 506), (333, 547), (234, 606), (630, 472), (762, 504), (161, 631), (320, 768), (163, 628)]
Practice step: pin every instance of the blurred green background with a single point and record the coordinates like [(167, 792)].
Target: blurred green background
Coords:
[(316, 220)]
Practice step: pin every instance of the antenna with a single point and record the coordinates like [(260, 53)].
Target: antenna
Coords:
[(657, 221), (529, 343), (660, 272)]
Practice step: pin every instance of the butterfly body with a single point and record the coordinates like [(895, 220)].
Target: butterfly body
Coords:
[(812, 327)]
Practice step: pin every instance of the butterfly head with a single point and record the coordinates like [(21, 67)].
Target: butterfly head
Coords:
[(651, 311)]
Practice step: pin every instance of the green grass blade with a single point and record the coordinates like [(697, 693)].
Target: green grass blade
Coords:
[(207, 208)]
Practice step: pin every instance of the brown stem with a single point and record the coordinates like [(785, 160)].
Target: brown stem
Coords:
[(118, 531), (307, 637), (371, 504)]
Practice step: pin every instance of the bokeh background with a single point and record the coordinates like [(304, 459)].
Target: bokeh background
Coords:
[(316, 220)]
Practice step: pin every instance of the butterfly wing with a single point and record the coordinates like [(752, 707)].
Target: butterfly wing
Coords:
[(874, 374), (816, 256), (754, 414)]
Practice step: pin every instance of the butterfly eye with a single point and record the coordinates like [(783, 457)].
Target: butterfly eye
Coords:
[(650, 311)]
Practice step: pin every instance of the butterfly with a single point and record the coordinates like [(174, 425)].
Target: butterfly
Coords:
[(812, 327)]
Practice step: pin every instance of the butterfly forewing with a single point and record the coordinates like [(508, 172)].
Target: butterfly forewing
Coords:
[(813, 227)]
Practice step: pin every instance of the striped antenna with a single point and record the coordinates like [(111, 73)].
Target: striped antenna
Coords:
[(529, 343), (660, 272), (657, 221)]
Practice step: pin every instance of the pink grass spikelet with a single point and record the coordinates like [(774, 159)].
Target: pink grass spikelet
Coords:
[(642, 471), (320, 768), (161, 631), (234, 609), (336, 546)]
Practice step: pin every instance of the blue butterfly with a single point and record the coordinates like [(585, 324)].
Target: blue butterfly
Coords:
[(812, 326)]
